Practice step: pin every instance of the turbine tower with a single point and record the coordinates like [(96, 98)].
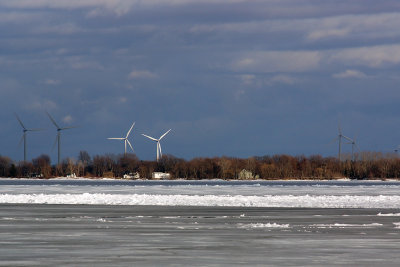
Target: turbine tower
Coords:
[(340, 137), (159, 152), (125, 139), (58, 138), (25, 131)]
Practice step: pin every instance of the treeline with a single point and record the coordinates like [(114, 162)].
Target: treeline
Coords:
[(366, 165)]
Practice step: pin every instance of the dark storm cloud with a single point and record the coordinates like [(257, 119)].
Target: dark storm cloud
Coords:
[(233, 77)]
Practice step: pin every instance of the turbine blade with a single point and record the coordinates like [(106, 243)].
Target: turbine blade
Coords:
[(52, 120), (69, 127), (130, 130), (129, 143), (22, 139), (161, 137), (19, 120), (152, 138), (116, 138), (35, 130), (348, 138)]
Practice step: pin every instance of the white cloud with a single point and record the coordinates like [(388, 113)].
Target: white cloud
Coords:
[(366, 26), (258, 81), (68, 119), (350, 74), (141, 74), (285, 79), (77, 62), (247, 79), (102, 7), (118, 7), (277, 61), (239, 94), (373, 56), (328, 33), (17, 17), (65, 28), (369, 26), (42, 104), (306, 61), (122, 100), (52, 82)]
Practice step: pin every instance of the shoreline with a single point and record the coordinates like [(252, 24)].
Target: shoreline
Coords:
[(189, 180)]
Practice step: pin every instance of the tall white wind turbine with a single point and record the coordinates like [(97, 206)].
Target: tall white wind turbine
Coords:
[(159, 152), (25, 131), (58, 138), (126, 141)]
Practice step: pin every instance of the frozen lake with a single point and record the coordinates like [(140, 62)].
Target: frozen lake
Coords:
[(198, 223), (301, 194)]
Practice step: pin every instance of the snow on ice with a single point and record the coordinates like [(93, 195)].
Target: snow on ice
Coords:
[(304, 201)]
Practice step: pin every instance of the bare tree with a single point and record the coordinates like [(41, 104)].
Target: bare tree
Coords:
[(42, 165), (5, 164)]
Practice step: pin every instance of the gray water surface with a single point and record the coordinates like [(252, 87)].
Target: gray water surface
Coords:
[(88, 235)]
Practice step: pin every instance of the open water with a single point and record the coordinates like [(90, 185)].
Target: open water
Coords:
[(212, 235)]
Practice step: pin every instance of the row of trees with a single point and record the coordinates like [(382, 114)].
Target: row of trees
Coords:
[(367, 165)]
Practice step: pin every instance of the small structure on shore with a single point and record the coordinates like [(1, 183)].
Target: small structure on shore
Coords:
[(71, 175), (132, 175), (246, 175), (161, 175)]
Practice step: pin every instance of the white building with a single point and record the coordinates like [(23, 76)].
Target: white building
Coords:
[(131, 175), (245, 174), (72, 175), (160, 175)]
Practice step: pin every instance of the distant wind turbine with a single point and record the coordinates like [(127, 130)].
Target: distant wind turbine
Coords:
[(354, 147), (340, 137), (159, 152), (25, 131), (125, 139), (58, 138)]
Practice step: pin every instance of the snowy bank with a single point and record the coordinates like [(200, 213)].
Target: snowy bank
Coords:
[(302, 201)]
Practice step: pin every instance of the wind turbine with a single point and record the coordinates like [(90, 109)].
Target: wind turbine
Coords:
[(354, 146), (159, 152), (125, 138), (58, 138), (25, 130), (340, 137)]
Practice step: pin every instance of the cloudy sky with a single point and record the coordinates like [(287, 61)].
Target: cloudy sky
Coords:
[(229, 77)]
